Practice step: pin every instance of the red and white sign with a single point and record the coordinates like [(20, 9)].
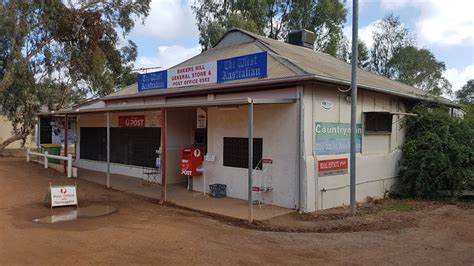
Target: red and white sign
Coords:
[(63, 195), (332, 167), (131, 121), (192, 75)]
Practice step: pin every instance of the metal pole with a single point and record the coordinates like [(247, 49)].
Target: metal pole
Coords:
[(250, 165), (108, 149), (66, 123), (163, 155), (355, 26)]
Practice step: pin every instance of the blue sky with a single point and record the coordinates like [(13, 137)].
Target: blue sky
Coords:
[(446, 27)]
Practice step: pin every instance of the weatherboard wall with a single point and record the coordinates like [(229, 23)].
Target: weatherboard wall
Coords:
[(376, 163)]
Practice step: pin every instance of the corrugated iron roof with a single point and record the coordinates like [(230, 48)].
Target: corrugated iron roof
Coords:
[(287, 60)]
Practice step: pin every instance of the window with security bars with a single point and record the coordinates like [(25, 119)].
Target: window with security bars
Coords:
[(378, 123), (236, 152)]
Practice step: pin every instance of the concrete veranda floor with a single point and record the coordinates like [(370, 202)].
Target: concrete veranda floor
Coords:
[(177, 194)]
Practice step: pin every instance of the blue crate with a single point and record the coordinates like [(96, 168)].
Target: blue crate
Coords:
[(218, 190)]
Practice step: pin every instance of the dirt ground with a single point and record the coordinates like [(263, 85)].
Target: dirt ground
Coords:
[(143, 232)]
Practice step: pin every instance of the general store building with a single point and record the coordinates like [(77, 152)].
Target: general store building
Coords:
[(298, 99)]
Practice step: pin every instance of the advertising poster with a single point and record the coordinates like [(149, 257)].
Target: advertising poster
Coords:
[(335, 138), (332, 167)]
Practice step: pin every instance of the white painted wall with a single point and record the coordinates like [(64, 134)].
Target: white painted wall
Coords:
[(376, 165), (277, 125)]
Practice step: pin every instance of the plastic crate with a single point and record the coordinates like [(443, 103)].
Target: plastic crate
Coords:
[(218, 190)]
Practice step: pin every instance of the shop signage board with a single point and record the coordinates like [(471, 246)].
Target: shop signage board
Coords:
[(131, 121), (242, 67), (201, 118), (332, 167), (334, 138), (63, 195), (192, 75), (152, 81), (234, 68)]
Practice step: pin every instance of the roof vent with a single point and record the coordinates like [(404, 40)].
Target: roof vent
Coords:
[(303, 38)]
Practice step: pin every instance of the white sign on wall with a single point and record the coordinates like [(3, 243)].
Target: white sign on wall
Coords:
[(201, 117), (63, 195), (192, 75)]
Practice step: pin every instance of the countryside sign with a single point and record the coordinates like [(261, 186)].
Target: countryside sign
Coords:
[(332, 167), (235, 68), (334, 138)]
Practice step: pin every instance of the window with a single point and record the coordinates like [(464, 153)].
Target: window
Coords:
[(130, 146), (236, 152), (378, 123)]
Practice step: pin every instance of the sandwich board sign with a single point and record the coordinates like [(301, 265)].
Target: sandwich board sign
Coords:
[(62, 195)]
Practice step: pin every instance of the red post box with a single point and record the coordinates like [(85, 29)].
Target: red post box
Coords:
[(191, 159)]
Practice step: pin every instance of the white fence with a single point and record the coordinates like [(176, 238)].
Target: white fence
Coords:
[(45, 155)]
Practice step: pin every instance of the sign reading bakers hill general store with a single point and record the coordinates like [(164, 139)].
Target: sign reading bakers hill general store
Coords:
[(235, 68), (192, 75)]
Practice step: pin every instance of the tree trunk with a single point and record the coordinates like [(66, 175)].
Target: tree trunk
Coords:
[(12, 139)]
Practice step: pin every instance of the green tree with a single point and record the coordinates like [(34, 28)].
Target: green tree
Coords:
[(438, 154), (466, 94), (420, 69), (57, 51), (273, 18), (345, 53), (390, 36), (325, 17)]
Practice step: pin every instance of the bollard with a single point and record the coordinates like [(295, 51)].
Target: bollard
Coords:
[(69, 165), (28, 155), (46, 159)]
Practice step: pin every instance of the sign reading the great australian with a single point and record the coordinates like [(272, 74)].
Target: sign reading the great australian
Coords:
[(235, 68), (242, 67), (334, 138), (152, 81)]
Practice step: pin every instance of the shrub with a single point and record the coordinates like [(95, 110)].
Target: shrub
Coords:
[(438, 154)]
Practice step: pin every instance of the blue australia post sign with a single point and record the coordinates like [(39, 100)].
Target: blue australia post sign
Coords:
[(242, 67), (335, 138), (153, 81)]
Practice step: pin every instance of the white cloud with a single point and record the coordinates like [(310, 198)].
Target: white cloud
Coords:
[(168, 56), (365, 33), (169, 20), (458, 78), (441, 22)]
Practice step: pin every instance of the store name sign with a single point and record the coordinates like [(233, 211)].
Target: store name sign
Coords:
[(332, 167), (192, 75), (235, 68), (131, 121)]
